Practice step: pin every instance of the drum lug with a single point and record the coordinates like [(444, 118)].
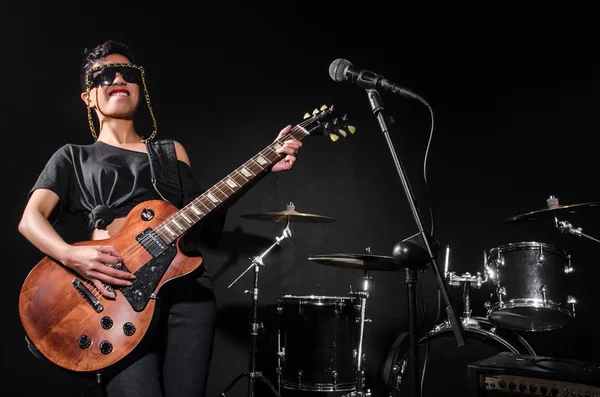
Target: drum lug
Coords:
[(334, 377), (300, 373), (501, 294), (543, 290), (541, 258), (500, 260), (572, 301)]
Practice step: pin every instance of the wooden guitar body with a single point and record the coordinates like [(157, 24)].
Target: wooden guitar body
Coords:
[(72, 325)]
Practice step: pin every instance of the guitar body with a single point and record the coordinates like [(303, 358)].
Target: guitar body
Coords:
[(73, 326)]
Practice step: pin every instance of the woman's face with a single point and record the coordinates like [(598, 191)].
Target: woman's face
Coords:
[(115, 97)]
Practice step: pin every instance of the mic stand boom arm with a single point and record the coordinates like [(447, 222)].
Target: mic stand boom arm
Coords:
[(415, 251)]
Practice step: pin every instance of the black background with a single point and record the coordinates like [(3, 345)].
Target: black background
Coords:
[(515, 97)]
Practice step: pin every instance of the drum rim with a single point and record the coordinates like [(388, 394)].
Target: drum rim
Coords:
[(526, 303), (519, 342), (348, 386), (528, 245), (446, 327), (317, 298)]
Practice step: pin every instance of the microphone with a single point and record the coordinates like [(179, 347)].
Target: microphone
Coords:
[(343, 70)]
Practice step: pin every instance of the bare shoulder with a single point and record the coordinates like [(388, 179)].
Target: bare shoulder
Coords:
[(181, 152)]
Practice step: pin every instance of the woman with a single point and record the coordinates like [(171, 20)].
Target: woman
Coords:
[(104, 181)]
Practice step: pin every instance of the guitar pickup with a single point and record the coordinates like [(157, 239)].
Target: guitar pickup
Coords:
[(87, 295)]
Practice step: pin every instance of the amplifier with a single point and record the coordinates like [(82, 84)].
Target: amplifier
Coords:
[(511, 374)]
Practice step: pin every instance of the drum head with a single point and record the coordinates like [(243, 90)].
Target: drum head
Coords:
[(527, 317), (446, 369)]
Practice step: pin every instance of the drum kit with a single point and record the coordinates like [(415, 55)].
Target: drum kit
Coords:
[(320, 339)]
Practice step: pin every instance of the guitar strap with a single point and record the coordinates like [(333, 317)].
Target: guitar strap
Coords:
[(165, 171)]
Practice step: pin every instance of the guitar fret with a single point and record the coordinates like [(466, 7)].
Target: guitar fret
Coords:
[(170, 231), (196, 210), (261, 160), (244, 173), (177, 224), (206, 202), (232, 183), (212, 197), (222, 191), (187, 218)]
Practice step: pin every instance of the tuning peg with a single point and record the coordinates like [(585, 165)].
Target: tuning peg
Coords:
[(334, 137), (306, 115), (342, 133), (352, 129), (324, 107), (316, 111)]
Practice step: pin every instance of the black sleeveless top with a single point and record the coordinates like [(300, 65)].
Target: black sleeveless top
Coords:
[(103, 182)]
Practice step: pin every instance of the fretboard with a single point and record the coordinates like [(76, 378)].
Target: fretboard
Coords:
[(180, 222)]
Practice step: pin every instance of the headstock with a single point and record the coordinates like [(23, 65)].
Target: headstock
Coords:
[(323, 121)]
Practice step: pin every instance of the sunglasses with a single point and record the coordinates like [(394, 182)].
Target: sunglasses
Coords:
[(104, 75)]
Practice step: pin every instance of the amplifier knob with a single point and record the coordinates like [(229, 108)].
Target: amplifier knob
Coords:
[(543, 390), (522, 387), (532, 389), (512, 385), (554, 391), (502, 383)]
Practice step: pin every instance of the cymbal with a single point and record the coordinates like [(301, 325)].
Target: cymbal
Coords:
[(357, 261), (550, 212), (291, 215)]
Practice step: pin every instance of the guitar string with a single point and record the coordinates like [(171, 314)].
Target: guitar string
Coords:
[(136, 248)]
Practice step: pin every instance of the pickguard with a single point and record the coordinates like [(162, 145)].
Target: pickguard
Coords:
[(147, 278)]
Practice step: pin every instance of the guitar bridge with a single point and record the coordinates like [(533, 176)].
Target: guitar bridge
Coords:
[(87, 295)]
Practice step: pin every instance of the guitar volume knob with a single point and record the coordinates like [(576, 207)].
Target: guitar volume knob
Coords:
[(84, 341), (106, 322), (129, 328), (106, 347)]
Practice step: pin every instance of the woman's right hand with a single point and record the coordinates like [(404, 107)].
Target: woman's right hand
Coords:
[(94, 263)]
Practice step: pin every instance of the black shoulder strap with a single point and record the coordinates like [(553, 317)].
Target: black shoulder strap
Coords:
[(165, 171)]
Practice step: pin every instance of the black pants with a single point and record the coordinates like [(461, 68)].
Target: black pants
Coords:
[(173, 359)]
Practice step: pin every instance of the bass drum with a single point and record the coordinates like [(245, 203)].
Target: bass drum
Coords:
[(446, 371)]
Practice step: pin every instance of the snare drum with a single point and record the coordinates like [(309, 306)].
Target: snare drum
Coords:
[(529, 284), (316, 341)]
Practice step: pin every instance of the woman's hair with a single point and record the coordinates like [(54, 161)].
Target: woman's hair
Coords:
[(93, 55)]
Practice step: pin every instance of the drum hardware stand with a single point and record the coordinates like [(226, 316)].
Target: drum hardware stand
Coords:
[(363, 295), (416, 251), (256, 327), (565, 226), (466, 280)]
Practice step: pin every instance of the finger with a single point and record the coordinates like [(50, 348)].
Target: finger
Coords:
[(106, 293), (108, 259), (289, 149), (110, 250), (107, 279), (284, 131), (111, 271)]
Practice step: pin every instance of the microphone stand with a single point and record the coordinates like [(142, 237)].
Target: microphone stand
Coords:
[(414, 252)]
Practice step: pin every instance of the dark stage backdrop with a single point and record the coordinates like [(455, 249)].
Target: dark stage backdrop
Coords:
[(515, 105)]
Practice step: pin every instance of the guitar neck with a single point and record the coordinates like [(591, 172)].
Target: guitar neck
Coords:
[(180, 222)]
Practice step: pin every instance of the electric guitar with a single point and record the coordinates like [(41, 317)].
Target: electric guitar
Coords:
[(72, 325)]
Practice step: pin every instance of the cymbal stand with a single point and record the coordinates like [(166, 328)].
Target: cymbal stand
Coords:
[(566, 227), (255, 326), (363, 295)]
